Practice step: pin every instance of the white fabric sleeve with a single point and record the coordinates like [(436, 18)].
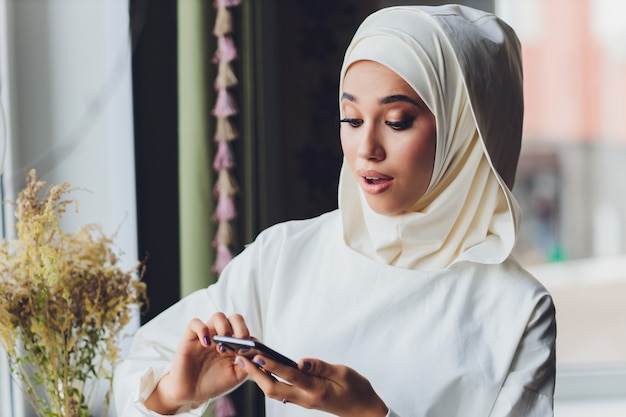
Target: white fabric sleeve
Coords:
[(150, 356), (154, 344), (147, 384), (528, 390)]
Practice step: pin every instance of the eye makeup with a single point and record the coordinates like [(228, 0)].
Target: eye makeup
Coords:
[(351, 122), (402, 124)]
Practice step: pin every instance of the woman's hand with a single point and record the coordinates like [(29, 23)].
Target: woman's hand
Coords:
[(335, 389), (200, 370)]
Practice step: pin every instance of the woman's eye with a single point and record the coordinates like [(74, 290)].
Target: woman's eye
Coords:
[(352, 122), (401, 125)]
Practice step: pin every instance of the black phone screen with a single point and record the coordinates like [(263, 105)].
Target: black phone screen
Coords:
[(249, 348)]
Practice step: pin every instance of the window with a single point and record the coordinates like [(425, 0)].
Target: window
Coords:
[(571, 185)]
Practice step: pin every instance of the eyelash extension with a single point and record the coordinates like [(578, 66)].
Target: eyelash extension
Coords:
[(401, 125), (352, 122)]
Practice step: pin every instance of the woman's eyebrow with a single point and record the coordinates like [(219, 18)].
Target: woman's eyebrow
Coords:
[(400, 97), (387, 100), (349, 97)]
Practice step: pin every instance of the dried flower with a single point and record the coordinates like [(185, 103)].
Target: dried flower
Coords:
[(63, 303)]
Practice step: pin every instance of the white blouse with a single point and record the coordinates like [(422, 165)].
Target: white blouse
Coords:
[(471, 340)]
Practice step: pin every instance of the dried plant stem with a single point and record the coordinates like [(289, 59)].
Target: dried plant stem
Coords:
[(63, 303)]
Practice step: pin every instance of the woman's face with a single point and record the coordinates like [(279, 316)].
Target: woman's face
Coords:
[(388, 136)]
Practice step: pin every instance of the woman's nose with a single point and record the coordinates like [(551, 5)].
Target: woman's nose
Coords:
[(370, 145)]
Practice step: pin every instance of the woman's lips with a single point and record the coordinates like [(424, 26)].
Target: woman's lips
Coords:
[(374, 182)]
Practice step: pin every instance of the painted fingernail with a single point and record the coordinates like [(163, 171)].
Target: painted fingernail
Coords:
[(207, 341), (259, 361), (222, 349), (244, 350), (240, 363), (306, 365)]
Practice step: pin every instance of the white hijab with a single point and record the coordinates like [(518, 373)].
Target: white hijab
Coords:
[(466, 66)]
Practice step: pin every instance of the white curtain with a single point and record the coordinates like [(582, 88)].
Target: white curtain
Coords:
[(65, 81)]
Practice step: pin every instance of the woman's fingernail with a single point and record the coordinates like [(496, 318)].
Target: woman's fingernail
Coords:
[(259, 361), (222, 349), (207, 341), (240, 363), (306, 365), (244, 350)]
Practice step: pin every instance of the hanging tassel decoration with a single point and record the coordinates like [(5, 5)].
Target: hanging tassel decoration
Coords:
[(226, 3), (225, 187), (225, 210), (225, 131), (226, 184), (223, 257), (226, 51), (224, 232), (225, 105), (223, 21), (224, 157), (226, 77)]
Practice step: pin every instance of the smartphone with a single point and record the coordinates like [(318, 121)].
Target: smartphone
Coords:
[(249, 348)]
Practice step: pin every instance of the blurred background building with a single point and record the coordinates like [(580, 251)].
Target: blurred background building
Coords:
[(571, 185)]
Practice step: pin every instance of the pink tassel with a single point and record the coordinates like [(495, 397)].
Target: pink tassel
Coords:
[(225, 130), (225, 186), (224, 105), (224, 157), (222, 258), (224, 407), (225, 209), (226, 50), (226, 3)]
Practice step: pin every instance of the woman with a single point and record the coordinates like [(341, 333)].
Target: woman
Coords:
[(406, 300)]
